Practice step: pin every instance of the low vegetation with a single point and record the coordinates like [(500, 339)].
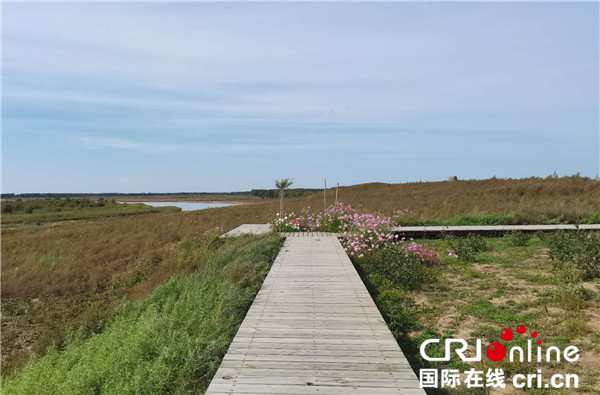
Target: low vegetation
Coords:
[(578, 250), (58, 204), (170, 342), (538, 283), (467, 247), (61, 209), (60, 275)]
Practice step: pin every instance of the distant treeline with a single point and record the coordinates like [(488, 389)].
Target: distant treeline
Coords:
[(110, 194), (263, 193), (274, 193)]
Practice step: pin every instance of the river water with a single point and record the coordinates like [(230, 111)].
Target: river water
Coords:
[(187, 206)]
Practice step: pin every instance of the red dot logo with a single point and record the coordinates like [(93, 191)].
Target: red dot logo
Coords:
[(495, 352), (506, 334), (521, 329)]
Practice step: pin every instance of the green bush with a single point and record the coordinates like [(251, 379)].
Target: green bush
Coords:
[(399, 310), (518, 238), (7, 207), (50, 204), (593, 218), (563, 246), (589, 260), (400, 268), (581, 249), (467, 248)]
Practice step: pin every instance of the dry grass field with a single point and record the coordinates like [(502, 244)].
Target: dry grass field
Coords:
[(530, 199), (57, 276)]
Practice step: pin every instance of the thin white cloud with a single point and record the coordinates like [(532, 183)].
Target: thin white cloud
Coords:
[(310, 82), (98, 142)]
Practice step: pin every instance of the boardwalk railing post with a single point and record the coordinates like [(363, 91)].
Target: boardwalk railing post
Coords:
[(337, 187), (325, 195)]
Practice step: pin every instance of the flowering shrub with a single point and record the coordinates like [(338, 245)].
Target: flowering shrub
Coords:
[(360, 234), (286, 224), (421, 251), (395, 267)]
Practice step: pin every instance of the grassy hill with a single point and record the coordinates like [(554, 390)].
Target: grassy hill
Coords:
[(532, 199)]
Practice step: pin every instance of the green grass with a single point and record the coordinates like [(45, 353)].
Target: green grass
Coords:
[(515, 218), (509, 312), (172, 341), (593, 218), (48, 260), (493, 219), (470, 273), (576, 326), (73, 213), (538, 278), (483, 219)]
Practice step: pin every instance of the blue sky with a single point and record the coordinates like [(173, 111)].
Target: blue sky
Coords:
[(219, 97)]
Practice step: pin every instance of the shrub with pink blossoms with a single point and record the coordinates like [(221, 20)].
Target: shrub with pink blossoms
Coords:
[(422, 252), (360, 234)]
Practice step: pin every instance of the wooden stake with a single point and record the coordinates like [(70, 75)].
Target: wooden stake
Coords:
[(337, 187), (325, 195)]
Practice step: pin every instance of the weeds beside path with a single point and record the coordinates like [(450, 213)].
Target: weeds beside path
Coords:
[(170, 342)]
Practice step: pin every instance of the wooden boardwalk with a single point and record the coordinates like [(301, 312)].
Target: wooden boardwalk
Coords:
[(314, 329), (417, 230), (428, 230)]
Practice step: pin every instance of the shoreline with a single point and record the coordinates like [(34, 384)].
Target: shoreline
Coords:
[(212, 199)]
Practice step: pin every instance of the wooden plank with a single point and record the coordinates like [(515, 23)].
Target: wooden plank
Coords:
[(291, 345), (315, 358), (314, 328), (345, 351), (294, 379), (226, 373), (308, 389), (322, 333), (320, 341), (313, 323), (381, 366)]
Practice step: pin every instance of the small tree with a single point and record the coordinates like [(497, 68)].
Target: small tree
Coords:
[(282, 185)]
